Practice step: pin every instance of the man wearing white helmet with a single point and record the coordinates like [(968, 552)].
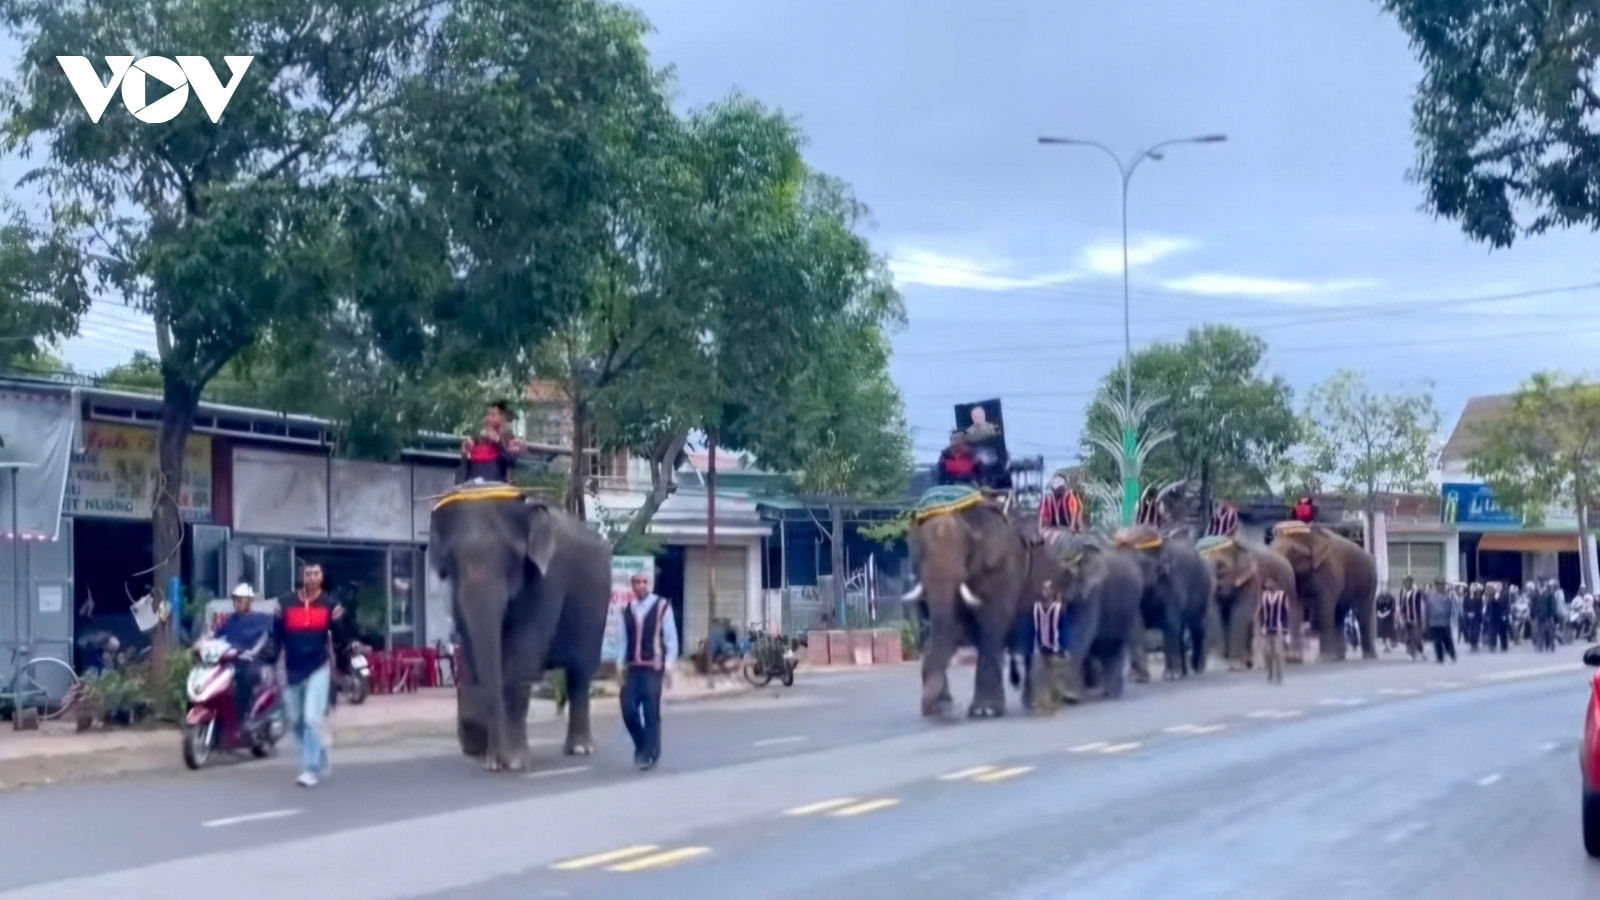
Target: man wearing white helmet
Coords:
[(247, 632)]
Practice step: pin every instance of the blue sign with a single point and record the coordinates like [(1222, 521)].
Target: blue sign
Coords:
[(1463, 504)]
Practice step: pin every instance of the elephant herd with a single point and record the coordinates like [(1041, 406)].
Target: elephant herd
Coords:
[(979, 575)]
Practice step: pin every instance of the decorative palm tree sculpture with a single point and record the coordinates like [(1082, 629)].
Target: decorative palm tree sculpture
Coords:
[(1122, 439)]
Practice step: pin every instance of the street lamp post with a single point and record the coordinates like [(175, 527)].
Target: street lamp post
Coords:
[(1130, 432)]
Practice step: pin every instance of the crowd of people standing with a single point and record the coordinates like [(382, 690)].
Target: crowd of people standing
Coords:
[(1481, 614)]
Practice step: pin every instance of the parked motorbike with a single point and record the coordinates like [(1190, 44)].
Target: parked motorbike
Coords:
[(770, 657), (214, 721), (354, 680)]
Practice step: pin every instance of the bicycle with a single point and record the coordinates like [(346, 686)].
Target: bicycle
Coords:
[(29, 685)]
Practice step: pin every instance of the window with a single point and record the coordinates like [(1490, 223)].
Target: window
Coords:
[(610, 468), (1424, 562)]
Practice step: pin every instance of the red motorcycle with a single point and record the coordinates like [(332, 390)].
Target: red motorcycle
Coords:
[(213, 722)]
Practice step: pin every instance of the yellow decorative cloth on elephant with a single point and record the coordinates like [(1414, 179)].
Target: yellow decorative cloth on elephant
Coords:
[(1139, 537), (472, 493), (1286, 528), (946, 499), (1213, 544)]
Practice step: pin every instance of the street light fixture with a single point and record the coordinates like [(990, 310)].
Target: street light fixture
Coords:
[(1130, 434)]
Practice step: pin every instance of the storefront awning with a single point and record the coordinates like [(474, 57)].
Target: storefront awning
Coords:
[(1529, 543)]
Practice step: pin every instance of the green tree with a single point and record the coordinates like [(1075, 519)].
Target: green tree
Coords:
[(1230, 422), (1543, 449), (1505, 114), (431, 168), (42, 290), (1365, 443)]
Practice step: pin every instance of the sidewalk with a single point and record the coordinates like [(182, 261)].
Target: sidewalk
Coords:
[(58, 751)]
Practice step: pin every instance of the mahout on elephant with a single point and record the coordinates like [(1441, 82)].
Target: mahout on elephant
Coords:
[(1241, 566), (1178, 586), (530, 589), (1099, 586), (1332, 574), (974, 569)]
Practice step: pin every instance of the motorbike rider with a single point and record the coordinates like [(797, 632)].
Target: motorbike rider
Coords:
[(247, 632)]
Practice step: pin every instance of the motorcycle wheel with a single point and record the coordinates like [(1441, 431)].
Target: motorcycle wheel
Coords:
[(788, 675), (756, 674), (197, 744), (360, 687)]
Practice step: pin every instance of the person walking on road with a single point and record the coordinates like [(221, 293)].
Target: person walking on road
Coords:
[(1410, 618), (304, 631), (649, 650), (1272, 622), (1441, 608)]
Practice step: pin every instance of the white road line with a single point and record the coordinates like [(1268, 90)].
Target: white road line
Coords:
[(1121, 748), (778, 742), (966, 773), (1004, 774), (1208, 729), (1408, 692), (1446, 685), (600, 859), (1532, 673), (1404, 831), (1388, 691), (1331, 701), (553, 773), (1487, 780), (1089, 748), (1288, 713), (1182, 729), (1549, 746), (1263, 714), (864, 808), (824, 806), (253, 817)]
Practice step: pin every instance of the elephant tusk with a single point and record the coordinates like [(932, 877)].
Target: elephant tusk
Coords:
[(913, 595), (968, 597)]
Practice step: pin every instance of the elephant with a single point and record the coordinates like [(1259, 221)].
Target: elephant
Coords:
[(1332, 574), (1178, 586), (530, 589), (1099, 587), (972, 569), (1241, 568)]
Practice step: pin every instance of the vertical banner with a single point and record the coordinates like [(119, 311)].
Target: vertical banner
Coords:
[(623, 568)]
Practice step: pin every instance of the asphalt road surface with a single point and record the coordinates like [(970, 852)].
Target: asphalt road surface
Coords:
[(1375, 780)]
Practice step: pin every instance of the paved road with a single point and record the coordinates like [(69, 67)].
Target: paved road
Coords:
[(1352, 778)]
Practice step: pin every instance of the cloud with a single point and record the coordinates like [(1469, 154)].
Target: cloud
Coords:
[(1220, 285), (913, 265)]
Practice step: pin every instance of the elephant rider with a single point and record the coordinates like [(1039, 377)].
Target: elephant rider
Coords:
[(1305, 510), (1225, 521), (1060, 511), (491, 455), (957, 463), (1410, 617), (248, 632)]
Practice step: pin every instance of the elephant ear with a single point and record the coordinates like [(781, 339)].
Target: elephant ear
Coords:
[(541, 535), (1321, 548), (1244, 574)]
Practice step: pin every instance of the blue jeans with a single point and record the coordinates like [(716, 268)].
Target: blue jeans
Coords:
[(308, 705)]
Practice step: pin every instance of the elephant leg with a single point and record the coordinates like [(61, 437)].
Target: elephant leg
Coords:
[(1197, 643), (1113, 672), (988, 687), (580, 736), (1297, 631), (1238, 631), (1139, 658), (1330, 637), (1367, 615), (471, 731), (1172, 647), (515, 754), (935, 677)]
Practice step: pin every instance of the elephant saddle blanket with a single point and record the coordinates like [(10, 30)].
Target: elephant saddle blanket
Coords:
[(472, 493), (1213, 544), (946, 499), (1139, 537)]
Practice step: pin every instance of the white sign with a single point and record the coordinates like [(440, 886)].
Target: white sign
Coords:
[(186, 72), (623, 568), (50, 598)]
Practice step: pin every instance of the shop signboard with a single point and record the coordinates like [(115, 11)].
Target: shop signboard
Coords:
[(623, 568), (115, 475)]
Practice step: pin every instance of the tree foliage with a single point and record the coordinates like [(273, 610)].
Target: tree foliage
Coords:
[(1231, 423), (42, 289), (1506, 113), (1543, 449), (1363, 443)]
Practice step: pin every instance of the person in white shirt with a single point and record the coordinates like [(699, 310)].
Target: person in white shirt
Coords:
[(645, 660)]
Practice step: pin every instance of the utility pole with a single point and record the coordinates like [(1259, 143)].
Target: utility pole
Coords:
[(1130, 432), (711, 541)]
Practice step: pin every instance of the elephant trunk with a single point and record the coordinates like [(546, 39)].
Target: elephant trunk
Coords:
[(482, 609)]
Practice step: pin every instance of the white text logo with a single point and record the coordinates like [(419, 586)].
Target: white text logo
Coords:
[(187, 72)]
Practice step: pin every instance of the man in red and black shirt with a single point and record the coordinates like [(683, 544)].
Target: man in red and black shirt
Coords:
[(957, 463), (304, 629), (491, 455)]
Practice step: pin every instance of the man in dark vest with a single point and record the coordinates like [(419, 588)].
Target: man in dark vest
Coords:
[(649, 650)]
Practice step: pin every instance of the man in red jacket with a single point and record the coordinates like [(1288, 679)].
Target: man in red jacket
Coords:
[(957, 463)]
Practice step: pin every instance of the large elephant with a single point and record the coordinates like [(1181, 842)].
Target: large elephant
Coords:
[(972, 571), (1178, 586), (1332, 574), (1099, 587), (1242, 567), (530, 588)]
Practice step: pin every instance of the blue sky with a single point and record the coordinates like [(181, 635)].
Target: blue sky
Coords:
[(1302, 228)]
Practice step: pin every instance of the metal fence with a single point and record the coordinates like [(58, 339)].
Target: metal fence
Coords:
[(871, 600)]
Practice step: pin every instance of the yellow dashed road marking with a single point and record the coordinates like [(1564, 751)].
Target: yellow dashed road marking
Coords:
[(661, 859), (1089, 748), (600, 859), (1121, 748), (966, 773), (1208, 729), (1004, 774), (861, 809), (824, 806)]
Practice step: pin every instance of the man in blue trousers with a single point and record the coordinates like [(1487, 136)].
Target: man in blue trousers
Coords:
[(649, 650)]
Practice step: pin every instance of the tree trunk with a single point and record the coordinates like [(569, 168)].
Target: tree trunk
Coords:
[(179, 403), (1370, 536), (663, 464), (1205, 496), (837, 560), (578, 471), (711, 541)]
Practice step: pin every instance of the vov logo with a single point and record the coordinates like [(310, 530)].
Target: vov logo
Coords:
[(130, 76)]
